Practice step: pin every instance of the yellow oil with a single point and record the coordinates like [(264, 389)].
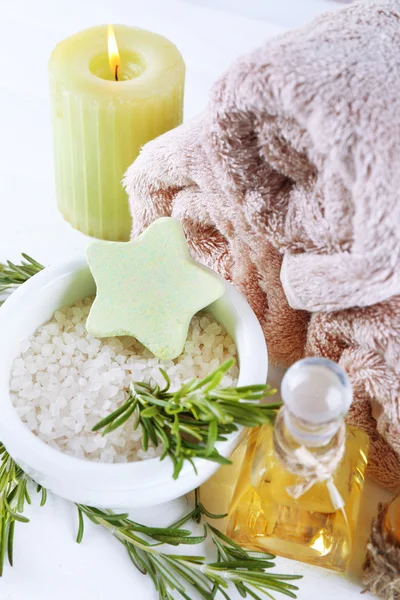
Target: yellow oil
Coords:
[(263, 516), (216, 493), (392, 520)]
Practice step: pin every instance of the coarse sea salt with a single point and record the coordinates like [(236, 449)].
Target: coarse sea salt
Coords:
[(64, 381)]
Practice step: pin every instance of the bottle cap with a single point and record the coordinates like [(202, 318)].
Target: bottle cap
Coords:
[(317, 395)]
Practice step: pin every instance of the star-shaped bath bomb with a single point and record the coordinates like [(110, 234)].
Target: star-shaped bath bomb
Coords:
[(149, 288)]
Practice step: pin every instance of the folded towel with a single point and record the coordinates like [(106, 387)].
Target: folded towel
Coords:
[(297, 157)]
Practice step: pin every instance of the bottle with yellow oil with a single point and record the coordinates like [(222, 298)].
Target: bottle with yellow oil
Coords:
[(299, 488)]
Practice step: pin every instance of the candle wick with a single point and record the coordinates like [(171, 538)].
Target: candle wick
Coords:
[(116, 72)]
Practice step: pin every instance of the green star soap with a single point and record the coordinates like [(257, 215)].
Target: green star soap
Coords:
[(149, 288)]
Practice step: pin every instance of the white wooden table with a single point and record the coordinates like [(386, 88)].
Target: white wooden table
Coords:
[(210, 33)]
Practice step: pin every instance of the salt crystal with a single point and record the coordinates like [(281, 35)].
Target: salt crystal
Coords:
[(41, 362), (68, 381), (95, 386), (46, 427), (30, 422), (44, 337), (55, 410), (61, 402), (19, 372), (80, 330), (213, 328), (235, 373), (204, 322), (60, 317), (228, 341), (47, 349), (17, 384), (22, 411), (24, 346), (120, 359), (66, 393), (115, 375), (116, 344), (65, 361), (213, 364), (19, 363), (137, 375), (57, 341), (68, 422), (52, 329), (218, 350), (108, 391), (83, 346), (68, 339)]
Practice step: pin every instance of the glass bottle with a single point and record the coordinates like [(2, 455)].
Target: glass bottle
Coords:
[(391, 521), (317, 526)]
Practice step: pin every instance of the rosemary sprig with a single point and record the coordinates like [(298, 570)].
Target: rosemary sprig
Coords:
[(173, 575), (177, 575), (11, 275), (189, 422), (13, 496)]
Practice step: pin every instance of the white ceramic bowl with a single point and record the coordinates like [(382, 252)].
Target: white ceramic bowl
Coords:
[(135, 484)]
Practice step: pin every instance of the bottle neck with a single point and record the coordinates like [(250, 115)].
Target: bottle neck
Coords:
[(322, 442), (308, 434), (311, 465)]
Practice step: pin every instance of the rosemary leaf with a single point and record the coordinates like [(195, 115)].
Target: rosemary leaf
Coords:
[(11, 275), (81, 526)]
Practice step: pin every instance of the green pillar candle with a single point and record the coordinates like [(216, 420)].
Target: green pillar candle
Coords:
[(105, 106)]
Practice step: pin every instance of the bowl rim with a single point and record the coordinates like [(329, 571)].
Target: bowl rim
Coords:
[(135, 473)]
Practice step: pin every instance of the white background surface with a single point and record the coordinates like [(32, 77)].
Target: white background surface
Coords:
[(210, 33)]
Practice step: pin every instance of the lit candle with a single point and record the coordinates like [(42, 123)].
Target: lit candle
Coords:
[(110, 95)]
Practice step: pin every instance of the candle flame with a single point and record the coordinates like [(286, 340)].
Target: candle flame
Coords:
[(113, 54)]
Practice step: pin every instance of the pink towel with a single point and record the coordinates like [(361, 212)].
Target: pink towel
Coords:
[(297, 158)]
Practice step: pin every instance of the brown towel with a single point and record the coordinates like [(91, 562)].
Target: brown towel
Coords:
[(365, 341), (297, 157)]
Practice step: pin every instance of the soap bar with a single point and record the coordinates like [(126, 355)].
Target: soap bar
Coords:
[(149, 288)]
